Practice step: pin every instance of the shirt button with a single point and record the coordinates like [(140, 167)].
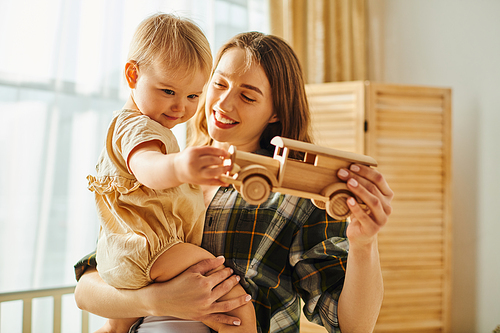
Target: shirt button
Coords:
[(225, 189)]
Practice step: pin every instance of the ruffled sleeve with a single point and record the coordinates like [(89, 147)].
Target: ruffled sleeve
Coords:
[(105, 185)]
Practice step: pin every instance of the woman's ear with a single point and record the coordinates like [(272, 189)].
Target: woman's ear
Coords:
[(131, 73), (274, 118)]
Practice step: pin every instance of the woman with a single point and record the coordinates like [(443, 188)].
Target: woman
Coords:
[(284, 248)]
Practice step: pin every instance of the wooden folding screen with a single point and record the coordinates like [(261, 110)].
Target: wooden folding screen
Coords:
[(407, 130)]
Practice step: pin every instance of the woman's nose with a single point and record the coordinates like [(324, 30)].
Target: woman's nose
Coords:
[(225, 102)]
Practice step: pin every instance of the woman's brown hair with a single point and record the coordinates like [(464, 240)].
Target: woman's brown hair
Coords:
[(284, 73)]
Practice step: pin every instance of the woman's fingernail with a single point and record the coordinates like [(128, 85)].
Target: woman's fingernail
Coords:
[(343, 173), (238, 278), (248, 298), (236, 323), (353, 182), (355, 168), (351, 201)]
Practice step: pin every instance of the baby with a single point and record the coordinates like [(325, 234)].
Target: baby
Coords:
[(150, 211)]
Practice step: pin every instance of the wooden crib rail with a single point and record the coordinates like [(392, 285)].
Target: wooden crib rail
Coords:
[(56, 293)]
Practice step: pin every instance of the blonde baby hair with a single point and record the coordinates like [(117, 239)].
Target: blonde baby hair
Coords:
[(173, 41)]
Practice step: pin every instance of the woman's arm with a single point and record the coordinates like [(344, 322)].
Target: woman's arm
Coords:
[(362, 294), (363, 291), (191, 295)]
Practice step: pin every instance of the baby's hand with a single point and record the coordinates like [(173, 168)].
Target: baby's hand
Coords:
[(201, 165)]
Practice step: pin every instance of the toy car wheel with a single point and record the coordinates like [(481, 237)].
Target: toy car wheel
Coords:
[(337, 207), (319, 203), (255, 190)]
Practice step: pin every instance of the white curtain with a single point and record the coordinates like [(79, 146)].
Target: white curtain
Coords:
[(61, 67)]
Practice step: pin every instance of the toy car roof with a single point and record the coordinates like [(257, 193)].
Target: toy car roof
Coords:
[(309, 147)]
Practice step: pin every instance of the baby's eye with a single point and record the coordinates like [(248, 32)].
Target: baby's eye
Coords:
[(193, 96), (169, 92)]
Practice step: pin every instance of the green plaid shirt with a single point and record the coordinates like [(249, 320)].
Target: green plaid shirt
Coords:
[(285, 248)]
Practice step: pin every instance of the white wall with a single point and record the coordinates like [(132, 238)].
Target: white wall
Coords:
[(456, 43)]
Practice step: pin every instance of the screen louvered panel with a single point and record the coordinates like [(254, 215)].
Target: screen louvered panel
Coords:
[(408, 133), (337, 115), (409, 137)]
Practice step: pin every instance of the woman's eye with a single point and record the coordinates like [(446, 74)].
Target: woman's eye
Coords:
[(169, 92), (248, 99), (218, 84)]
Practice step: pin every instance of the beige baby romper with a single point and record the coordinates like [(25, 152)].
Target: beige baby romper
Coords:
[(138, 224)]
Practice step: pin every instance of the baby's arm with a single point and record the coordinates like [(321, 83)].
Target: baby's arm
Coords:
[(195, 165)]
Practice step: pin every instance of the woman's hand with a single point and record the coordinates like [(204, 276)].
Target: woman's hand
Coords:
[(371, 187), (194, 294), (362, 294)]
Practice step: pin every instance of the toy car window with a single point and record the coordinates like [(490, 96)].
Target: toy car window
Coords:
[(310, 158), (296, 155)]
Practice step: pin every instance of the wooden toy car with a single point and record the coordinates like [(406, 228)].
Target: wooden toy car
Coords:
[(313, 177)]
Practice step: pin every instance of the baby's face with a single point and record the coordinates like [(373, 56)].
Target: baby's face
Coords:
[(167, 96)]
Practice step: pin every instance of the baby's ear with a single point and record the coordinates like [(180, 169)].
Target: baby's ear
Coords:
[(131, 73)]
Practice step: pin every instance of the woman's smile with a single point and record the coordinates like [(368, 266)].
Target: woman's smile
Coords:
[(221, 120), (239, 103)]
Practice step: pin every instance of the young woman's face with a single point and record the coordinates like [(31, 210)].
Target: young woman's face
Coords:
[(168, 97), (238, 103)]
